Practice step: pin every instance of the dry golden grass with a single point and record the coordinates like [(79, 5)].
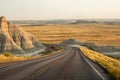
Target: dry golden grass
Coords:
[(100, 34), (4, 58), (111, 64), (12, 58)]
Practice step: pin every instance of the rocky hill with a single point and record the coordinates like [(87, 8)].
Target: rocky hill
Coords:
[(14, 39), (71, 41)]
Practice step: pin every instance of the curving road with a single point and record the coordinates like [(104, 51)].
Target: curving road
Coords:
[(69, 64)]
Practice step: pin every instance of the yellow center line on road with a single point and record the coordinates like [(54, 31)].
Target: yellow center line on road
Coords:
[(33, 77), (44, 68)]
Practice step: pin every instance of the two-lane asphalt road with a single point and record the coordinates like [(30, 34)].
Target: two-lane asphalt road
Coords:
[(69, 64)]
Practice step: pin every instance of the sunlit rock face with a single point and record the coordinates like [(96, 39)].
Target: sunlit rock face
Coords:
[(14, 39)]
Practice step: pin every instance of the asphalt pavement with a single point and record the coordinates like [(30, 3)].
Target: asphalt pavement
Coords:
[(70, 64)]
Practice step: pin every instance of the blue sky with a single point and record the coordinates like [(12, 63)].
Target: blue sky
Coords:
[(60, 9)]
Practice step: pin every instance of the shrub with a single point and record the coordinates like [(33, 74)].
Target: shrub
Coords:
[(8, 54), (59, 48)]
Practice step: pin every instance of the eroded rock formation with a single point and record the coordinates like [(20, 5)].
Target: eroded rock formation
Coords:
[(14, 39)]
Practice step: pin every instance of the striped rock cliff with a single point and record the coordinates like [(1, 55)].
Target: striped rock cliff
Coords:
[(14, 39)]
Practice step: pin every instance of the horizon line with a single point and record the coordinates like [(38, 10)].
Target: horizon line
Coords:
[(69, 19)]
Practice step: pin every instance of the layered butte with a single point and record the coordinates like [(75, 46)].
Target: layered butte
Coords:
[(14, 39)]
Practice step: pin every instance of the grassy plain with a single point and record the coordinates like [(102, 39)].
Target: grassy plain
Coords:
[(4, 58), (8, 58), (101, 34), (111, 64)]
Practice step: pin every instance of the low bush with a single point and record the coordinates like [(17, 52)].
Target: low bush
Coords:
[(8, 54)]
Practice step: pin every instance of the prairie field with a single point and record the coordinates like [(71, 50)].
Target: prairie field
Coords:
[(9, 57), (101, 34)]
